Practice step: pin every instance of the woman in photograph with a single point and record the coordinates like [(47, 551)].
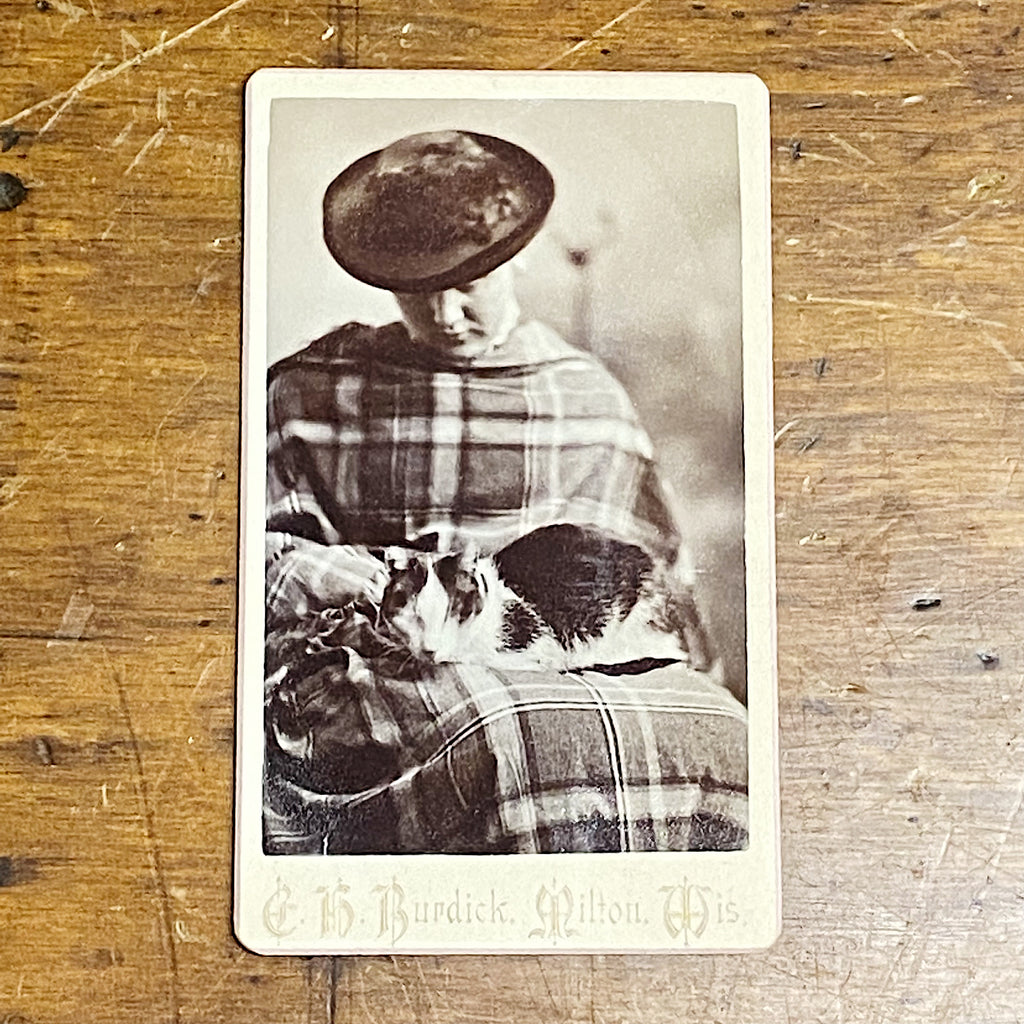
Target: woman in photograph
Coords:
[(482, 631)]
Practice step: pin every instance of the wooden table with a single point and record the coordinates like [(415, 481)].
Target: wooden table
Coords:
[(898, 174)]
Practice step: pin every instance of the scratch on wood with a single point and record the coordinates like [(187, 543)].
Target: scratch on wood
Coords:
[(1015, 364), (155, 140), (162, 104), (902, 37), (904, 944), (153, 848), (70, 98), (943, 850), (881, 306), (71, 11), (9, 490), (547, 986), (784, 430), (309, 991), (122, 135), (366, 1004), (42, 750), (946, 55), (595, 35), (96, 77), (53, 450), (110, 227), (204, 675), (397, 974), (332, 991), (425, 988), (871, 541), (966, 606), (172, 410), (845, 227), (129, 44), (807, 155), (850, 148), (955, 225), (206, 281), (920, 241), (993, 861), (981, 185), (76, 616), (1014, 465)]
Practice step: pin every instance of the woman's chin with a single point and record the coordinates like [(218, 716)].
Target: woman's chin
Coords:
[(463, 346)]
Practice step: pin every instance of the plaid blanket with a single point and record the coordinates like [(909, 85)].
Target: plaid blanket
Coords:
[(374, 440), (473, 760)]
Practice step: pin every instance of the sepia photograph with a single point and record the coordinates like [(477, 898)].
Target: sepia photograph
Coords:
[(498, 486)]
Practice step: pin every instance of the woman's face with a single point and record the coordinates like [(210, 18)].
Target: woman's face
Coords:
[(464, 321)]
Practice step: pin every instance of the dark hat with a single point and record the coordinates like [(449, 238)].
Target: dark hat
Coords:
[(435, 210)]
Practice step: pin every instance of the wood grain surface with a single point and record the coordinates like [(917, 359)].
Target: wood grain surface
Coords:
[(898, 137)]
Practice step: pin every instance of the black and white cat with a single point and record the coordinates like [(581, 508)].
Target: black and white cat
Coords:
[(563, 598)]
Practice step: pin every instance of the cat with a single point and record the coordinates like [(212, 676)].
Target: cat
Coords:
[(564, 597)]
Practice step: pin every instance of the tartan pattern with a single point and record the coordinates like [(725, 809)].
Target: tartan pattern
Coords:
[(375, 441), (486, 761), (303, 577), (372, 439)]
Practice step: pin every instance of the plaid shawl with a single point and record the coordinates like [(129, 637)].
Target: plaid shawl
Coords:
[(475, 760), (372, 439), (375, 441)]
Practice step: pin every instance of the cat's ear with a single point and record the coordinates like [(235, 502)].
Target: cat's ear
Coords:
[(396, 558)]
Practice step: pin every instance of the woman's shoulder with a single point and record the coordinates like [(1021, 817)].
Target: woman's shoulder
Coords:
[(545, 347), (535, 342), (352, 342)]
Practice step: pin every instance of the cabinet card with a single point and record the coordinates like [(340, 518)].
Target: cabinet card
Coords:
[(506, 669)]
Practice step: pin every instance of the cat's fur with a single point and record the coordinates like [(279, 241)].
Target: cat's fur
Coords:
[(562, 599)]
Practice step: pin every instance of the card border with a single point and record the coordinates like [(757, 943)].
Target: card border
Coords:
[(759, 866)]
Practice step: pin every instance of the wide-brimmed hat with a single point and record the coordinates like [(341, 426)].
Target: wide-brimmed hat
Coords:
[(435, 210)]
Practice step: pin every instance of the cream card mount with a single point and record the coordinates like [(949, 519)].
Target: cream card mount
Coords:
[(506, 662)]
